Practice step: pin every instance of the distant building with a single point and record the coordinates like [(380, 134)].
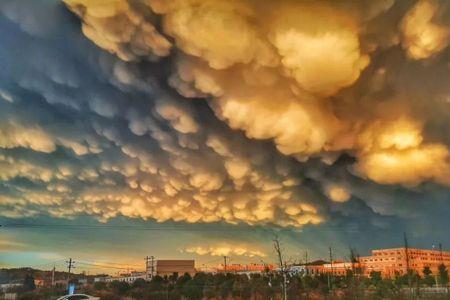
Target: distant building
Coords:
[(171, 267), (84, 281), (337, 268), (245, 269), (4, 287), (100, 279), (297, 270), (389, 262), (10, 296), (396, 261), (39, 282), (129, 278)]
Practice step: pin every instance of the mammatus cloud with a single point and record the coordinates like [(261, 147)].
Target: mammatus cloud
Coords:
[(424, 35), (105, 140), (338, 193), (121, 27), (293, 101), (396, 154), (277, 70), (225, 250)]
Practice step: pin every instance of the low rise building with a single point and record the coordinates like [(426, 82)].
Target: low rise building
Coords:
[(100, 279), (129, 278), (396, 261), (389, 262), (172, 267), (10, 296), (247, 269), (337, 268), (5, 287), (39, 282)]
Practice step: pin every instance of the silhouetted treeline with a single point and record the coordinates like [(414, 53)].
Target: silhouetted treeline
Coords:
[(204, 286)]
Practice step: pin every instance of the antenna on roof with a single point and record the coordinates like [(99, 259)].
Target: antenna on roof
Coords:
[(408, 273)]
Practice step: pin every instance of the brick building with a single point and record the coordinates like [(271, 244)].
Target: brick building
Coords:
[(249, 268), (389, 262), (171, 267), (337, 268), (397, 260)]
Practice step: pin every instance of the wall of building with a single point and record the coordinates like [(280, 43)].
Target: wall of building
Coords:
[(240, 268), (337, 268), (389, 262), (397, 260), (169, 267), (130, 278)]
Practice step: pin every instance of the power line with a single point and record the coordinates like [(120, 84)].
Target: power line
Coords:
[(182, 227), (45, 264), (106, 263), (330, 274), (112, 227), (225, 262), (102, 266)]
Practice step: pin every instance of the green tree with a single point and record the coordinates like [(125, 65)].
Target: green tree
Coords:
[(426, 271), (375, 277), (443, 275), (294, 287), (310, 282), (30, 296), (427, 276), (401, 280), (226, 287), (28, 283), (120, 287), (385, 289), (260, 287), (181, 281), (99, 286), (192, 291), (209, 290)]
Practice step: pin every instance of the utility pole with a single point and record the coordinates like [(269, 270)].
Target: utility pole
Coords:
[(225, 263), (146, 267), (306, 262), (352, 260), (152, 266), (53, 276), (360, 267), (70, 266), (440, 252), (407, 259), (53, 280), (152, 260), (330, 274)]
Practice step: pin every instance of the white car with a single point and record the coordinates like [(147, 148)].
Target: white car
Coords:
[(78, 297)]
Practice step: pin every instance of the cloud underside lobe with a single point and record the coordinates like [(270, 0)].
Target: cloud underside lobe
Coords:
[(219, 111), (225, 250)]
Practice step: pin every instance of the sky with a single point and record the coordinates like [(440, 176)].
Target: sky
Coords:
[(202, 128)]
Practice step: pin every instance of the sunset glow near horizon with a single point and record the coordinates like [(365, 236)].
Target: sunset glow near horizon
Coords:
[(203, 128)]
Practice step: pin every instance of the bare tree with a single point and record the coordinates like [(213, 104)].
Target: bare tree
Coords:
[(282, 263)]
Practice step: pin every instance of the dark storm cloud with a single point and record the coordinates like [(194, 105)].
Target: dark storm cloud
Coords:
[(106, 132), (106, 138)]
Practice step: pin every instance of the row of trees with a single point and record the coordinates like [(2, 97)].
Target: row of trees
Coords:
[(257, 286), (265, 286)]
